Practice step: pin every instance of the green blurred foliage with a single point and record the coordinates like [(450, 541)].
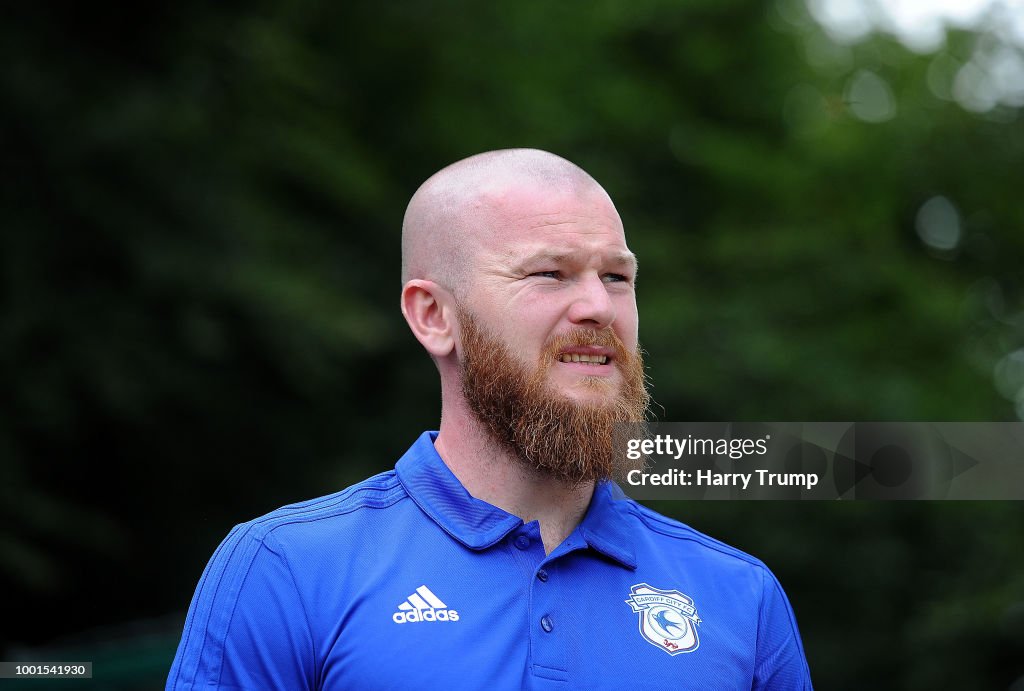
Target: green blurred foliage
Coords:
[(200, 266)]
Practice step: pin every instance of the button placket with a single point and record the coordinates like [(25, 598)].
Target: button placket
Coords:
[(548, 651)]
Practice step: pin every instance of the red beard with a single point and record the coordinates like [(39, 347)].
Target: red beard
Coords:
[(549, 433)]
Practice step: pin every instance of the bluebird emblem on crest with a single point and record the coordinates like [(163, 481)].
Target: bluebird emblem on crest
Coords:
[(668, 618)]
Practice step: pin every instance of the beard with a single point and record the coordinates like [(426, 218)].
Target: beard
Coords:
[(548, 432)]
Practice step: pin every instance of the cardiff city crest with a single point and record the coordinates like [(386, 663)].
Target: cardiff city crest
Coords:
[(668, 619)]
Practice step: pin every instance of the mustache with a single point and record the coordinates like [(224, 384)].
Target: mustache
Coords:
[(579, 338)]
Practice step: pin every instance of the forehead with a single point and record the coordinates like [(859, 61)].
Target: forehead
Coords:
[(530, 219)]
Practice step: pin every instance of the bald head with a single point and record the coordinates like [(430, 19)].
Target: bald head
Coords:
[(455, 209)]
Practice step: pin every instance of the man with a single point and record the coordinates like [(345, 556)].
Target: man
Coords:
[(497, 555)]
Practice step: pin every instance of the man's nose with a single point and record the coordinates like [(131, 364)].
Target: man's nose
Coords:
[(592, 305)]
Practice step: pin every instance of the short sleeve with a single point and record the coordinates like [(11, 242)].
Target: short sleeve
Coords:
[(780, 663), (247, 626)]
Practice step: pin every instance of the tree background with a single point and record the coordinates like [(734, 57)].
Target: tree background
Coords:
[(200, 277)]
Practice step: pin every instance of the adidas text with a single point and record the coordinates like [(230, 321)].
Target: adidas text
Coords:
[(423, 605), (425, 615)]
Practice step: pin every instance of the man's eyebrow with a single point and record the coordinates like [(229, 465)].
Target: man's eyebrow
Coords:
[(627, 258)]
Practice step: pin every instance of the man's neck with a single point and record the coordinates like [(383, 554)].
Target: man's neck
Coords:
[(491, 473)]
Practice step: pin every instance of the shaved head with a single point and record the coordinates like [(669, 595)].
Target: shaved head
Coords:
[(456, 208), (517, 279)]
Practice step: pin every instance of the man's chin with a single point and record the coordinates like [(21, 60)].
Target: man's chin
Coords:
[(591, 389), (584, 398)]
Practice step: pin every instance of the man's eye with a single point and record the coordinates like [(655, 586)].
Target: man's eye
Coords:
[(615, 278), (546, 274)]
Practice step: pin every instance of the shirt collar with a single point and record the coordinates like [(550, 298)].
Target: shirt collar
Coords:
[(606, 528), (478, 525)]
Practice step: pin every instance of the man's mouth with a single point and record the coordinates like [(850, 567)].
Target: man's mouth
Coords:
[(591, 356), (581, 357)]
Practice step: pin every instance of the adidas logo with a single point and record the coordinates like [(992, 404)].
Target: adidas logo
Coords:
[(423, 605)]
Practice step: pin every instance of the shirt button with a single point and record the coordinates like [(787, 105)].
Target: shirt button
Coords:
[(546, 623), (542, 575), (522, 542)]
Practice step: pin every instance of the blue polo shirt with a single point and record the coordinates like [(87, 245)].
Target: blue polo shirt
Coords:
[(405, 581)]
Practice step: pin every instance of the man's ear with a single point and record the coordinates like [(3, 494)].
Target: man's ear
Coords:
[(429, 310)]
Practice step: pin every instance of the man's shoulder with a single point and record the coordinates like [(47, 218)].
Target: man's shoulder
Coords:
[(328, 515), (670, 534)]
